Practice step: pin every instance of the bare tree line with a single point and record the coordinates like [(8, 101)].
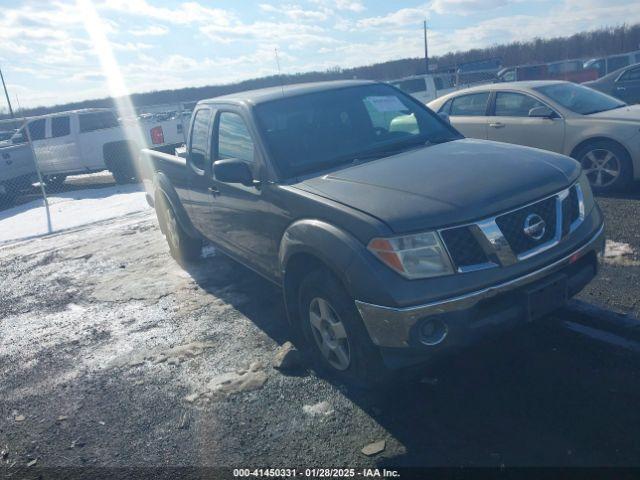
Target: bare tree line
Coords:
[(601, 42)]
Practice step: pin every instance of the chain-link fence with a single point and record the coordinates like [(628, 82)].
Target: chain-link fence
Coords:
[(69, 169)]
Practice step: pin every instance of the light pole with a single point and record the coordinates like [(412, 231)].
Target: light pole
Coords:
[(426, 48), (6, 94)]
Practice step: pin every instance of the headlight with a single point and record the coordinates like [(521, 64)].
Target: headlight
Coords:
[(413, 256)]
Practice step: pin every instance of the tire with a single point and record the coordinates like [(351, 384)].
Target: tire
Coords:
[(322, 295), (118, 160), (183, 248), (55, 182), (607, 165)]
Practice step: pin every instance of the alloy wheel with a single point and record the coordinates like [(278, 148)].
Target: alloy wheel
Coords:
[(172, 229), (329, 334), (602, 167)]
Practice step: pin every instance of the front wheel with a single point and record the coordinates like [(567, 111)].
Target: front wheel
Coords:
[(606, 164), (337, 340)]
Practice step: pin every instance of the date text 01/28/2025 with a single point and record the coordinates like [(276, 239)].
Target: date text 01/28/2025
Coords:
[(315, 473)]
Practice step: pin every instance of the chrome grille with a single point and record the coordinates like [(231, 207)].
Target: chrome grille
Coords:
[(501, 240), (465, 251), (511, 225)]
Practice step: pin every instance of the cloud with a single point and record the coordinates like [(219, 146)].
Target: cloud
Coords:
[(342, 5), (349, 5), (467, 7), (399, 18), (184, 13), (291, 34), (296, 12), (150, 31)]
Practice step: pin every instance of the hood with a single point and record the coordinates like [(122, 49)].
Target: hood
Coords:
[(630, 112), (446, 184)]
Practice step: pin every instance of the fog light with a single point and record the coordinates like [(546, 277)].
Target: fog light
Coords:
[(432, 332)]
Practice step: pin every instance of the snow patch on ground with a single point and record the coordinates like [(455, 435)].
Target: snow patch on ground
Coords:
[(319, 409), (618, 253), (70, 210), (231, 383)]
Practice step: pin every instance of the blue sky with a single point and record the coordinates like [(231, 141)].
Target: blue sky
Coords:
[(47, 56)]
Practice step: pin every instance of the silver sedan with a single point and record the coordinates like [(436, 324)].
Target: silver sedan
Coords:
[(600, 131)]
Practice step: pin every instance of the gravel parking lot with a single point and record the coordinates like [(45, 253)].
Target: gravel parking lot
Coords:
[(112, 355)]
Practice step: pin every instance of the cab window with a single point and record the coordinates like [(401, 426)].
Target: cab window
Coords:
[(412, 85), (90, 122), (36, 129), (474, 105), (615, 63), (200, 138), (515, 104), (234, 139), (60, 127)]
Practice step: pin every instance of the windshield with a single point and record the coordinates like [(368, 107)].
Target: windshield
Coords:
[(317, 131), (580, 99)]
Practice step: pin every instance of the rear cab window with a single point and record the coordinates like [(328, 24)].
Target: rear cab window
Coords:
[(93, 121), (200, 138), (472, 105)]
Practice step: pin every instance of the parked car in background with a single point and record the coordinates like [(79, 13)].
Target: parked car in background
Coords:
[(600, 131), (570, 70), (17, 171), (623, 84), (6, 135), (426, 87), (393, 238), (86, 141), (606, 65)]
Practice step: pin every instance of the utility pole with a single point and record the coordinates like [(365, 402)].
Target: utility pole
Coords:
[(426, 48), (6, 94)]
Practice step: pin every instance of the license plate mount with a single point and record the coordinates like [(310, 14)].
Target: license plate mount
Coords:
[(546, 297)]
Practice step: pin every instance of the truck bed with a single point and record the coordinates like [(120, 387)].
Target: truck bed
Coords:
[(155, 164)]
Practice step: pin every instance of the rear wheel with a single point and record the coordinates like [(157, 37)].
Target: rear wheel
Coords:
[(55, 182), (119, 161), (335, 336), (606, 164), (183, 248)]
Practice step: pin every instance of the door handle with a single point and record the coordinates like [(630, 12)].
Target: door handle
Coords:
[(496, 125), (213, 190)]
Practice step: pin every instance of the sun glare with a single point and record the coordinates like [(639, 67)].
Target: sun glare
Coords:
[(113, 75)]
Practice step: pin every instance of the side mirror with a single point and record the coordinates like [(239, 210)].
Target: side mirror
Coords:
[(445, 117), (542, 112), (233, 170)]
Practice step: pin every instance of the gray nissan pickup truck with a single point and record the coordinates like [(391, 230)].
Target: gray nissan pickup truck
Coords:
[(394, 239)]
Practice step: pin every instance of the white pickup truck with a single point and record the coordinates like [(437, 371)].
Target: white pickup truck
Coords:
[(426, 88), (17, 171), (86, 141)]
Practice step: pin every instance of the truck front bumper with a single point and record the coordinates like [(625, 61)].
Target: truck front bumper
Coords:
[(464, 318)]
